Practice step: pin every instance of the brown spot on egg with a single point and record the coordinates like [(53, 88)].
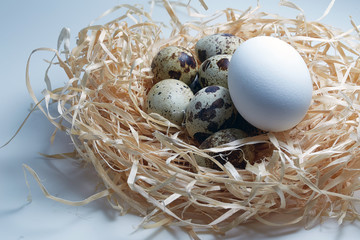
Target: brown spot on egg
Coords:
[(174, 74), (206, 114), (186, 60), (191, 62), (198, 105), (182, 59), (218, 103), (223, 64), (202, 55), (191, 117), (212, 89)]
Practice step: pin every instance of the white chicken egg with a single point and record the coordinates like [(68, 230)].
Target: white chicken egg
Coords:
[(269, 83)]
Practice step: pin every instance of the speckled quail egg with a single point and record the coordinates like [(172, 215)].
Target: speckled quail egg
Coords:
[(169, 98), (210, 110), (214, 71), (176, 63), (235, 157), (216, 44)]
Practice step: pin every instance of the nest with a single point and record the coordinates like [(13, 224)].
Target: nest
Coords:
[(147, 164)]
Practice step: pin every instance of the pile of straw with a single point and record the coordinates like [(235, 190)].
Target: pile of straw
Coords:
[(147, 164)]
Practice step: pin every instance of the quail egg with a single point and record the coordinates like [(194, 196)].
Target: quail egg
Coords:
[(169, 98), (210, 110), (216, 44), (174, 62), (214, 71), (235, 157)]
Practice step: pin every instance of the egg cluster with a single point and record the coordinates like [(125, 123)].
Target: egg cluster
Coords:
[(262, 83), (192, 90)]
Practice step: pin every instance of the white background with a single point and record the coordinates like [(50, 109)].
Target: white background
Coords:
[(26, 25)]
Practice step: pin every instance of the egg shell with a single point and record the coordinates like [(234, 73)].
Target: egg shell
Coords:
[(235, 157), (210, 110), (169, 98), (216, 44), (214, 71), (174, 62), (269, 83)]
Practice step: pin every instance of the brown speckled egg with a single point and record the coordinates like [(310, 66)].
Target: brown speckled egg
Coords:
[(169, 98), (214, 71), (210, 110), (216, 44), (176, 63), (236, 157)]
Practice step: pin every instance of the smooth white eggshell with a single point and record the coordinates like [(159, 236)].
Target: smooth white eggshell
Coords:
[(269, 83)]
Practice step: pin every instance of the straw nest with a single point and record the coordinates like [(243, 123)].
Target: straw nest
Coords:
[(147, 164)]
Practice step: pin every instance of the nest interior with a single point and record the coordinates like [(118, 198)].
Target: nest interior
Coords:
[(147, 164)]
